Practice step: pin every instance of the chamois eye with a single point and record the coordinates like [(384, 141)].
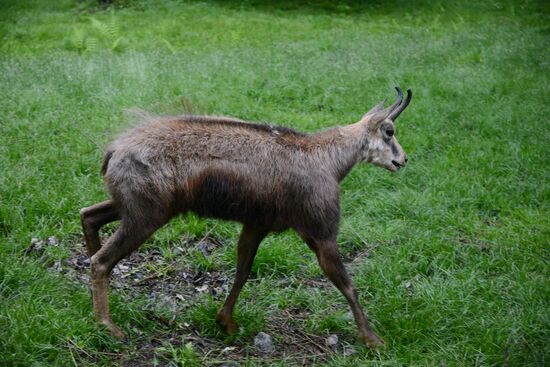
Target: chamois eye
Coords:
[(390, 132)]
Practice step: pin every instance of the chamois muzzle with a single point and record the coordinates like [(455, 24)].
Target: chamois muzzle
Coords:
[(396, 164)]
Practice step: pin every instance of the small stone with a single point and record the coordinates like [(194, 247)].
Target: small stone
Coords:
[(53, 241), (205, 247), (228, 349), (263, 342), (36, 244), (57, 266), (202, 288), (349, 350), (123, 268), (332, 341)]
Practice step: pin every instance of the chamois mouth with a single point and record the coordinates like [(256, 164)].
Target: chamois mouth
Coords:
[(397, 165)]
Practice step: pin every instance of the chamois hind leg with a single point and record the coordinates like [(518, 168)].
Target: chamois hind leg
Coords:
[(127, 238), (249, 241), (332, 265), (92, 219)]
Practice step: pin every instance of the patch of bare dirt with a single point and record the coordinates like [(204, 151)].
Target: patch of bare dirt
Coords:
[(291, 343), (173, 283), (148, 273)]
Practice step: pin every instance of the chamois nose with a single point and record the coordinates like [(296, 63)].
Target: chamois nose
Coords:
[(406, 159)]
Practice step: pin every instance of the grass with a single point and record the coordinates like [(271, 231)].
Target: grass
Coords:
[(453, 266)]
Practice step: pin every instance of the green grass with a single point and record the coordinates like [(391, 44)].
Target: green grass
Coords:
[(467, 223)]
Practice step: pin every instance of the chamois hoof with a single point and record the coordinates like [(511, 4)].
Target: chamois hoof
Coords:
[(373, 341), (226, 323), (114, 330)]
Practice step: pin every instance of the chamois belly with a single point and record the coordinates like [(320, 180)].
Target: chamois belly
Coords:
[(229, 196)]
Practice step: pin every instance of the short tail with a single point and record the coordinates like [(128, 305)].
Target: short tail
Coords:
[(106, 160)]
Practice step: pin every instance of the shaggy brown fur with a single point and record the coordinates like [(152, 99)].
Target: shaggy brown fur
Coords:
[(269, 178)]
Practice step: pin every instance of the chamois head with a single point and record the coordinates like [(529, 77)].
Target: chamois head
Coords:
[(383, 149)]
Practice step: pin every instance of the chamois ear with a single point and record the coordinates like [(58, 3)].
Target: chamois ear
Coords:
[(379, 114), (374, 120), (379, 107)]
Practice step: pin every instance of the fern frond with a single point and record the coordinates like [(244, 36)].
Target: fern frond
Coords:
[(100, 26), (116, 43), (78, 40), (113, 30), (92, 44)]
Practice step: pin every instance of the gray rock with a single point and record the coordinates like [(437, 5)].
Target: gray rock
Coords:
[(349, 350), (263, 342), (57, 266), (332, 341), (206, 247), (36, 245), (53, 241)]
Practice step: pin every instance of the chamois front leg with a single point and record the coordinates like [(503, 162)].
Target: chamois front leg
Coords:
[(332, 265), (249, 241)]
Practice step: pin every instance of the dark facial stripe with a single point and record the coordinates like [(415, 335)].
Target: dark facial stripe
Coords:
[(394, 149)]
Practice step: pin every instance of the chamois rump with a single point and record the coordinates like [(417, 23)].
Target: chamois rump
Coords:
[(269, 178)]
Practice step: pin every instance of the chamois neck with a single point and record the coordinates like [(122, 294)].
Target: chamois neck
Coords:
[(340, 148)]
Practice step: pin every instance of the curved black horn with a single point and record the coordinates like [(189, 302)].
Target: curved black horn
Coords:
[(392, 108), (396, 112)]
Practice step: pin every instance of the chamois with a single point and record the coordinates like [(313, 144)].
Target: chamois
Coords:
[(267, 177)]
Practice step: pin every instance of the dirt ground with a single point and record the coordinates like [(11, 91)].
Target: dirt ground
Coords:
[(173, 285)]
